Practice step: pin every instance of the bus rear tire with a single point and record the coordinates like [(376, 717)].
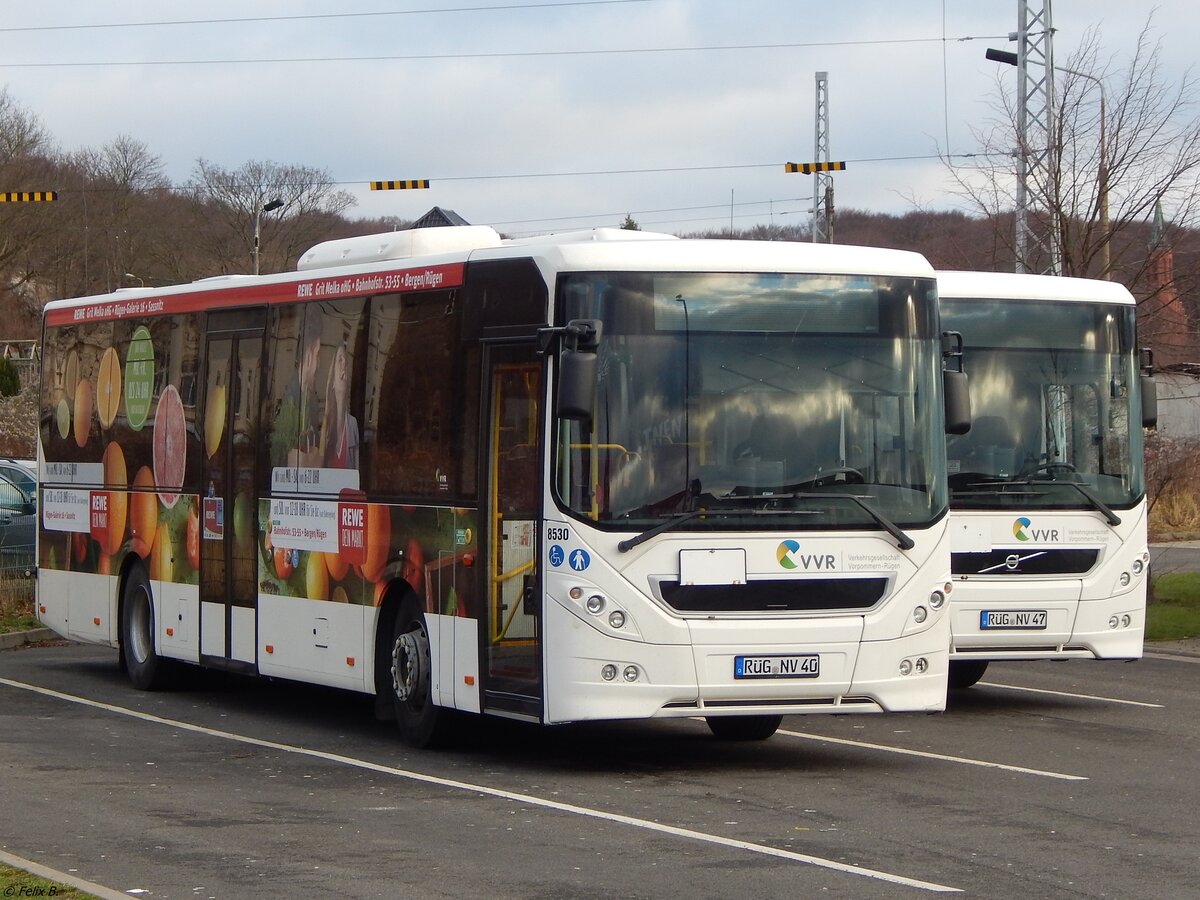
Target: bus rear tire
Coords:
[(146, 669), (966, 672), (410, 679), (743, 728)]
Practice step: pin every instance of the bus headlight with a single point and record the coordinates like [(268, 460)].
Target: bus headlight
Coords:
[(631, 673), (1138, 566), (906, 667), (1113, 622), (616, 619), (936, 599), (595, 604), (920, 614), (1125, 579), (609, 672)]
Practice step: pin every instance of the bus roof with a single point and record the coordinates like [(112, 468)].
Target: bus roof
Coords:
[(435, 257), (1019, 286)]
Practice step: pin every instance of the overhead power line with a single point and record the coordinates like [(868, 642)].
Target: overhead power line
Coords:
[(513, 54), (315, 16)]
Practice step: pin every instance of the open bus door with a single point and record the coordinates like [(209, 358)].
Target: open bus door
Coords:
[(512, 626), (228, 511)]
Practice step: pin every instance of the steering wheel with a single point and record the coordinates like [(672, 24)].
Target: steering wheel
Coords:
[(1050, 468), (840, 475)]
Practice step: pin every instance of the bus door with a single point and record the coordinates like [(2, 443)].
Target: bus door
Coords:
[(512, 626), (228, 508)]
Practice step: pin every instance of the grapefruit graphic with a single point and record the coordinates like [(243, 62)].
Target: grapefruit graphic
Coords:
[(170, 446), (108, 387)]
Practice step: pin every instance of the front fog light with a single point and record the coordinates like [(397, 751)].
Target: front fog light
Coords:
[(616, 619), (906, 667), (920, 614), (936, 599), (631, 673), (595, 604), (609, 672)]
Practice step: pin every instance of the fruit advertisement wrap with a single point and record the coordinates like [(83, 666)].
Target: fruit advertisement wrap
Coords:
[(118, 443), (349, 550)]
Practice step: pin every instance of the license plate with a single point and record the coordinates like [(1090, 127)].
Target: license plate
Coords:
[(801, 665), (1014, 619)]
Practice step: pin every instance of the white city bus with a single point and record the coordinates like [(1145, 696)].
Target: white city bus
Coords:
[(604, 475), (1047, 490)]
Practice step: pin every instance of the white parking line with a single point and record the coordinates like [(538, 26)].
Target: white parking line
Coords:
[(35, 868), (529, 799), (1017, 687), (963, 760)]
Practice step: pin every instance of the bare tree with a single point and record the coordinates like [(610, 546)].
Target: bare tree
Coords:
[(1127, 143), (1150, 154), (230, 201)]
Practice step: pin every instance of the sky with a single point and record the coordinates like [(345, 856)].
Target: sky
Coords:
[(552, 115)]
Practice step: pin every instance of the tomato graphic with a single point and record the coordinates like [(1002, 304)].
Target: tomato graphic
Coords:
[(283, 563)]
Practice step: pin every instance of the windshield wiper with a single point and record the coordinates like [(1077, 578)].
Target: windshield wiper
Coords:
[(675, 521), (905, 542), (1096, 503)]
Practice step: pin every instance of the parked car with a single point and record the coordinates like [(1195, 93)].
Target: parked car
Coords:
[(18, 518), (21, 472)]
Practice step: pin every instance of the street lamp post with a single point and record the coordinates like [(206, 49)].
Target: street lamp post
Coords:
[(141, 280), (1004, 56), (269, 207)]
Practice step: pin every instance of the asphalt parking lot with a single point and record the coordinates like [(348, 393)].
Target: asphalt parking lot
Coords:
[(1047, 780)]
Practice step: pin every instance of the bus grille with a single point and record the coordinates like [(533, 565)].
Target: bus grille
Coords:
[(796, 595), (1024, 562)]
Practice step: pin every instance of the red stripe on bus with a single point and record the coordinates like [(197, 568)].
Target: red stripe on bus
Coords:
[(423, 278)]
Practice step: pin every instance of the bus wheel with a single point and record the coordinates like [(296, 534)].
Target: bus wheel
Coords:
[(966, 672), (743, 728), (146, 669), (421, 722)]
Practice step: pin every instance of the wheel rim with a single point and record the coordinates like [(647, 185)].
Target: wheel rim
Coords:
[(140, 621), (410, 667)]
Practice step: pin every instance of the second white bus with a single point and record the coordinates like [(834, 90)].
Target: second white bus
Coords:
[(1047, 489)]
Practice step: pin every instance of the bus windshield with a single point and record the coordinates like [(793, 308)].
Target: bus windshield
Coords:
[(1054, 393), (756, 401)]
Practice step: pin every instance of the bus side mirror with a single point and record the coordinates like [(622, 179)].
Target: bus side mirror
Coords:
[(577, 369), (1149, 390), (956, 393)]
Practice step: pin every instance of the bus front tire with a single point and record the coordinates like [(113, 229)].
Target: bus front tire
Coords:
[(966, 672), (146, 669), (743, 728), (422, 724)]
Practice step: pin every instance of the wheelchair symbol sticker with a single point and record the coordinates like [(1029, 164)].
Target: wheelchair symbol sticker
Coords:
[(557, 555)]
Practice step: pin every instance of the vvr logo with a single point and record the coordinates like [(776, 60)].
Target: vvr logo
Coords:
[(1035, 534), (789, 556)]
